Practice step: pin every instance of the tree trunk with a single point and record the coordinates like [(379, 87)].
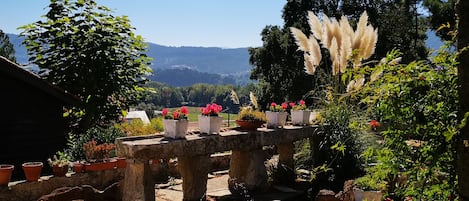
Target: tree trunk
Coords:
[(462, 9)]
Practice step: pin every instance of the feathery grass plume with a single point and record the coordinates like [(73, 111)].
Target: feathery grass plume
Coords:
[(301, 39), (327, 35), (370, 50), (395, 61), (234, 97), (355, 84), (346, 28), (315, 25), (309, 67), (376, 75), (315, 50), (334, 52), (253, 100), (345, 52)]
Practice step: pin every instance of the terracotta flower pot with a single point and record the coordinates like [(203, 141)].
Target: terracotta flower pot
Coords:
[(121, 162), (5, 174), (32, 170), (109, 164), (59, 171), (78, 167), (249, 124)]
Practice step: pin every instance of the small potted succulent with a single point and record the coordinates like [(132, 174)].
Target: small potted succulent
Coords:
[(175, 123), (277, 115), (300, 115), (209, 120), (60, 163)]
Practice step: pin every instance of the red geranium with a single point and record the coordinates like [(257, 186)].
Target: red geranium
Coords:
[(176, 114), (278, 108), (374, 124), (211, 109)]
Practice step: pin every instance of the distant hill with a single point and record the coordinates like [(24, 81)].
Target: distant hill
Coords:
[(182, 66), (211, 65)]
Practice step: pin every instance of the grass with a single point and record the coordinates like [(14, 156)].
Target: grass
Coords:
[(195, 111)]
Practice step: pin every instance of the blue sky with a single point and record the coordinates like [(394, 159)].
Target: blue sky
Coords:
[(205, 23)]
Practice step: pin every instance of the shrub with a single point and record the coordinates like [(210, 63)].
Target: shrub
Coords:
[(137, 127)]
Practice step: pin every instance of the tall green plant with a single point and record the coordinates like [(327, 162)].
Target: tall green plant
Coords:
[(418, 106), (84, 49)]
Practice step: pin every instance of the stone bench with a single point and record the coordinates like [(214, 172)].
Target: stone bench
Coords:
[(193, 153)]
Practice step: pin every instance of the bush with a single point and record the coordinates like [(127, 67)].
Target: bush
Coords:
[(137, 127)]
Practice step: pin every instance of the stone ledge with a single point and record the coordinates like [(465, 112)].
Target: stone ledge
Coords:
[(22, 190)]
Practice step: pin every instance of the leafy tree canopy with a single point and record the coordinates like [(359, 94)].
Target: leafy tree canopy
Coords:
[(82, 48), (6, 48)]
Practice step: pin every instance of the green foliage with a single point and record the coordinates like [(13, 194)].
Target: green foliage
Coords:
[(59, 159), (250, 114), (442, 13), (417, 104), (99, 134), (6, 47), (84, 49), (136, 127)]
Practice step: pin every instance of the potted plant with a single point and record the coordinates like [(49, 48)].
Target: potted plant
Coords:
[(5, 173), (209, 121), (98, 156), (32, 170), (277, 115), (59, 163), (300, 115), (250, 119), (175, 123)]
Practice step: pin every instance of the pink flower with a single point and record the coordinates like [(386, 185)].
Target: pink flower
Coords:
[(273, 104), (284, 105), (164, 112), (302, 102), (184, 110), (211, 109), (292, 104), (176, 114)]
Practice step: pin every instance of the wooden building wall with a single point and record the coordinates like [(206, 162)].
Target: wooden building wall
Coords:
[(31, 124)]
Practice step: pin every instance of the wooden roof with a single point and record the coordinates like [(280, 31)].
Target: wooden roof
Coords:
[(13, 70)]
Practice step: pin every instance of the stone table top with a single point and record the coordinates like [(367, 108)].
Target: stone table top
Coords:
[(156, 146)]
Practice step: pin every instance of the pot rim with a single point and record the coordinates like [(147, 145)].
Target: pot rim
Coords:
[(7, 166), (31, 164)]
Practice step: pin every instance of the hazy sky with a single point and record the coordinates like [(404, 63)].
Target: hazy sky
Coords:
[(206, 23)]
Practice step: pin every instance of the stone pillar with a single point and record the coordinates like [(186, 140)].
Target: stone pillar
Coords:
[(285, 168), (248, 167), (194, 172), (138, 183)]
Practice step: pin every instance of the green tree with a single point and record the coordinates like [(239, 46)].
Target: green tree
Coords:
[(6, 48), (442, 13), (84, 49)]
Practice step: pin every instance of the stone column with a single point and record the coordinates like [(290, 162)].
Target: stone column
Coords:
[(138, 183), (194, 172), (247, 167), (285, 167)]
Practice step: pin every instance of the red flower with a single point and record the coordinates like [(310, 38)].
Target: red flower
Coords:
[(302, 102), (176, 114), (284, 105), (164, 112), (292, 104), (273, 104), (184, 110), (374, 124), (211, 109)]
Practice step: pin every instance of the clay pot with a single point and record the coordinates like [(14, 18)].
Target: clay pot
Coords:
[(249, 125), (32, 170), (5, 174), (60, 171), (100, 166), (78, 167), (121, 162)]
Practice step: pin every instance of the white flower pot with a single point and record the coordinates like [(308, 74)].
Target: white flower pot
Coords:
[(210, 124), (175, 128), (300, 117), (276, 119)]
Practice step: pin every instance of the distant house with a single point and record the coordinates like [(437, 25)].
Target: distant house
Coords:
[(142, 115), (32, 127)]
